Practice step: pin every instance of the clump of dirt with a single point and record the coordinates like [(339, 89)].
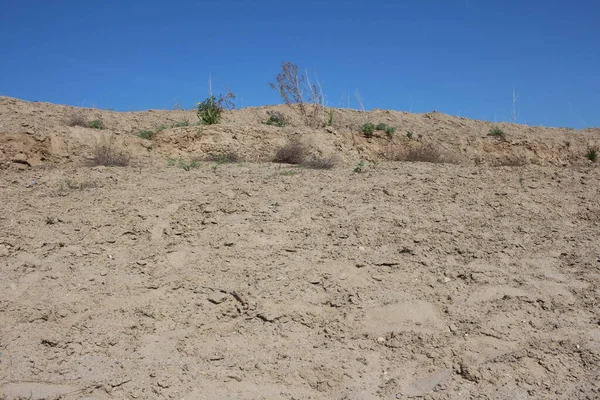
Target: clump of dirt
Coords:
[(35, 133)]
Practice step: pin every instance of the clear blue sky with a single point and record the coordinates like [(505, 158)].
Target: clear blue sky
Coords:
[(460, 57)]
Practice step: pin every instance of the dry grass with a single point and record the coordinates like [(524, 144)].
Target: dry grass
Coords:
[(228, 157), (76, 118), (293, 152), (108, 156), (328, 162), (424, 153)]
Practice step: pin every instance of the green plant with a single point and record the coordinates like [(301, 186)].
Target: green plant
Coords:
[(96, 124), (368, 129), (276, 118), (389, 130), (592, 154), (497, 133), (293, 152), (330, 115), (409, 134), (360, 167), (210, 110), (145, 134), (381, 126)]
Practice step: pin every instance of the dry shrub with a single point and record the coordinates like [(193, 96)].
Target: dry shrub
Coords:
[(322, 162), (297, 89), (76, 118), (293, 152), (223, 158), (108, 156), (425, 153)]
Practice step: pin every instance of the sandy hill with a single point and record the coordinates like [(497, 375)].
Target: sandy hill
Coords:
[(38, 133)]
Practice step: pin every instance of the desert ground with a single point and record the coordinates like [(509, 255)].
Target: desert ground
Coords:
[(183, 276)]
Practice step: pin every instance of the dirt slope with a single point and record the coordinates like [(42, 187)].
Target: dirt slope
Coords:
[(39, 132), (265, 281)]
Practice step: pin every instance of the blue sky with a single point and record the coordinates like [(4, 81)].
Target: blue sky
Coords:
[(461, 57)]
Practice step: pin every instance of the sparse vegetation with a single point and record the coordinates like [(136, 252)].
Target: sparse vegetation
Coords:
[(293, 152), (297, 90), (276, 118), (145, 134), (322, 162), (211, 109), (409, 134), (592, 154), (180, 124), (497, 133), (426, 153), (183, 164), (108, 156), (50, 221), (223, 158), (368, 129), (96, 124), (360, 167), (330, 116), (77, 118)]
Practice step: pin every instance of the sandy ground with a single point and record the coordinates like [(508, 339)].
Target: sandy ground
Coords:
[(257, 281), (263, 281)]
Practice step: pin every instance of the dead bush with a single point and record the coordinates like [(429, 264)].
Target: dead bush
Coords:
[(297, 89), (108, 156), (76, 118), (322, 162), (293, 152)]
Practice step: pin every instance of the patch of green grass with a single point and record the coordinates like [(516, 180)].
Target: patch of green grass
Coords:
[(390, 130), (409, 134), (592, 154), (145, 134), (368, 129), (96, 124), (381, 126), (497, 133), (276, 118)]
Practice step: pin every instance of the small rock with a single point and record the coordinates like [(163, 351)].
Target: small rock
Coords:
[(4, 252), (380, 339), (453, 328)]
